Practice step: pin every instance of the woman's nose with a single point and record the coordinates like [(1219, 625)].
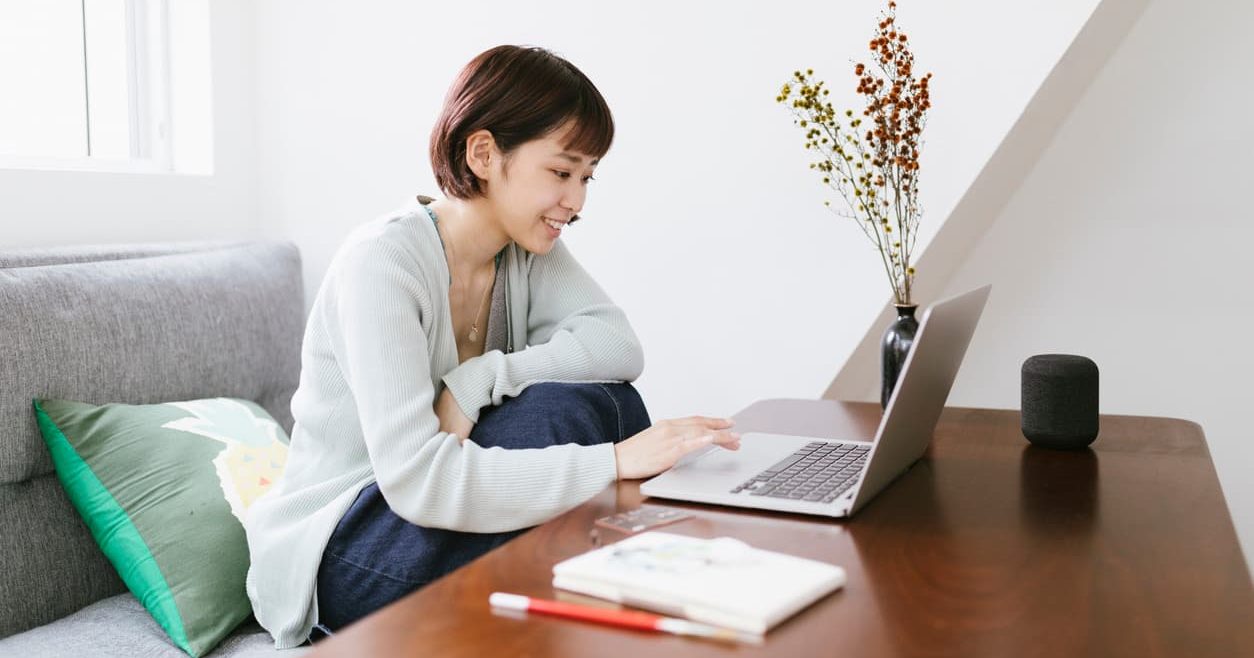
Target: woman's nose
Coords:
[(572, 201)]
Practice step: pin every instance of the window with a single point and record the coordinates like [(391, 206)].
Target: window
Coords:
[(105, 84)]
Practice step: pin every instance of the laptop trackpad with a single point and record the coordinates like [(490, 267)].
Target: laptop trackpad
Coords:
[(757, 452)]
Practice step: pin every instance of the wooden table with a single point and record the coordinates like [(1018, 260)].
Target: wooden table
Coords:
[(987, 547)]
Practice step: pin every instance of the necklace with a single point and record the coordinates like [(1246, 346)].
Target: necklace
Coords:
[(473, 334), (474, 326)]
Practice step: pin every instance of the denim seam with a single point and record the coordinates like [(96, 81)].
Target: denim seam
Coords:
[(617, 410), (363, 567)]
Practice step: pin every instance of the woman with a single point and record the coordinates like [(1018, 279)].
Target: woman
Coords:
[(462, 376)]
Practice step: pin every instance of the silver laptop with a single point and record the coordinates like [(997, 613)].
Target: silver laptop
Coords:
[(834, 477)]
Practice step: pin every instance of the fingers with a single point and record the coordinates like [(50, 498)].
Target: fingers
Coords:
[(701, 421), (728, 440), (689, 444), (693, 441)]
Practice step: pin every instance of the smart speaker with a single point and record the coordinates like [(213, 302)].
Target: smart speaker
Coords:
[(1059, 400)]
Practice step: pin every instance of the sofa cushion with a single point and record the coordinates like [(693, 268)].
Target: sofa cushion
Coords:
[(119, 626), (163, 489)]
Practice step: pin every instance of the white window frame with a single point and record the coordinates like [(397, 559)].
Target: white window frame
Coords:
[(149, 102)]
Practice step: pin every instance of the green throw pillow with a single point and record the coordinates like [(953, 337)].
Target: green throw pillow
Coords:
[(163, 489)]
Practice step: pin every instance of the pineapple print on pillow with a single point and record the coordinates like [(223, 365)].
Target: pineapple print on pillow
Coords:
[(254, 452)]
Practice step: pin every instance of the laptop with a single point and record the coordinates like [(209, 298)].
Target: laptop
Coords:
[(831, 476)]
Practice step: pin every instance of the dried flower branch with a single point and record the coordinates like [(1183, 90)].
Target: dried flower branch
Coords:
[(874, 168)]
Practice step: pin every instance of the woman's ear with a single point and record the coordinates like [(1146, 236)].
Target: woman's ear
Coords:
[(481, 153)]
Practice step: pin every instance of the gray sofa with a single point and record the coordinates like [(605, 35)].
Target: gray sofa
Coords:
[(135, 324)]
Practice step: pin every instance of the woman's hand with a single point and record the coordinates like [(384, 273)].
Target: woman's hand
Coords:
[(452, 420), (658, 448)]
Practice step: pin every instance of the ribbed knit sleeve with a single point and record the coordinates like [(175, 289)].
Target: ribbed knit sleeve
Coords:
[(574, 334), (428, 477)]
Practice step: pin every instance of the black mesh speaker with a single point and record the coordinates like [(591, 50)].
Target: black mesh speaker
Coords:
[(1059, 400)]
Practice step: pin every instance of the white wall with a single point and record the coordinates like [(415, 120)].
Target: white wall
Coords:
[(1129, 242), (704, 223), (42, 208)]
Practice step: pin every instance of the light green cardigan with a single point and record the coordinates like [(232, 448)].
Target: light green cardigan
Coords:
[(377, 351)]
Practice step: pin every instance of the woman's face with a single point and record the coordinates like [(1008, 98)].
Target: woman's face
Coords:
[(538, 191)]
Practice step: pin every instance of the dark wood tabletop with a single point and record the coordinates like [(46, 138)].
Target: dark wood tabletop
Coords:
[(986, 547)]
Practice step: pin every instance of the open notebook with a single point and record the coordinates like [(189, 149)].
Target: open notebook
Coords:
[(720, 581)]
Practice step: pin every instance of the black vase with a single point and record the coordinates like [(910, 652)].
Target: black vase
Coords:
[(895, 347)]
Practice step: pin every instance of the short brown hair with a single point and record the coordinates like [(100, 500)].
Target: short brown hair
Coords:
[(518, 94)]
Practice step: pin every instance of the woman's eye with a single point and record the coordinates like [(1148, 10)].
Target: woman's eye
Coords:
[(566, 174)]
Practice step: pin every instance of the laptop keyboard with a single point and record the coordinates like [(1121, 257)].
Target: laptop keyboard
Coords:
[(819, 472)]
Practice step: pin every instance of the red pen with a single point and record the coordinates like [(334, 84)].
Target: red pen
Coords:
[(643, 621)]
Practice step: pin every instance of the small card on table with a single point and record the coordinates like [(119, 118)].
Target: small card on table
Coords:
[(641, 518)]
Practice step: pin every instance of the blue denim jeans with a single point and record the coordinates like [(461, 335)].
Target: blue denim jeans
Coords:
[(375, 557)]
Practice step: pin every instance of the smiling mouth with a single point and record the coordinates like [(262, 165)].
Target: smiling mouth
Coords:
[(553, 223)]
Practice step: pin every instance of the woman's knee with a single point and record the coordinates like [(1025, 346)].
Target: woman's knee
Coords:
[(553, 413), (629, 413)]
